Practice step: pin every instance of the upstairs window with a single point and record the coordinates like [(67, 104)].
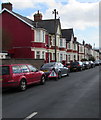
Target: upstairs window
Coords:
[(43, 36), (74, 46), (39, 36), (69, 46), (61, 43), (53, 41)]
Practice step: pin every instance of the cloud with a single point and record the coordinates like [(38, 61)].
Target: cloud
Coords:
[(74, 14)]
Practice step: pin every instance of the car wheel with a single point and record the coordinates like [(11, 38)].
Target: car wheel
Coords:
[(59, 75), (67, 73), (81, 69), (42, 80), (22, 86)]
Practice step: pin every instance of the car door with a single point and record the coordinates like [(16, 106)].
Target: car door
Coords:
[(16, 73), (34, 73), (26, 73)]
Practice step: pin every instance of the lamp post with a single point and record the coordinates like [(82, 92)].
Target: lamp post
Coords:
[(55, 12)]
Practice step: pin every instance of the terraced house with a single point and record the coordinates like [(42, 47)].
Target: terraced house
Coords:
[(35, 39)]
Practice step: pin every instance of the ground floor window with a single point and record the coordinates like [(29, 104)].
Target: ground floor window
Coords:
[(53, 56), (37, 54), (40, 55), (74, 57), (61, 57), (43, 55), (68, 58)]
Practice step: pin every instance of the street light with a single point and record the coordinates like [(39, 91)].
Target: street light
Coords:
[(55, 12)]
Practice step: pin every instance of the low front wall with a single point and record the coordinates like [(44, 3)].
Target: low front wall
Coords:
[(35, 62)]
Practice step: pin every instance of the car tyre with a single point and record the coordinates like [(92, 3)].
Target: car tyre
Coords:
[(22, 85), (43, 79), (59, 75), (67, 73)]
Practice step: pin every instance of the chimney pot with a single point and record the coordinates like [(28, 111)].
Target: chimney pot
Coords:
[(37, 17)]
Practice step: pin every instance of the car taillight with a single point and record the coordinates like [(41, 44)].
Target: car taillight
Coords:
[(78, 64), (68, 66)]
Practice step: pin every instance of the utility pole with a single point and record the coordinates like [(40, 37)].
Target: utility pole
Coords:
[(55, 12)]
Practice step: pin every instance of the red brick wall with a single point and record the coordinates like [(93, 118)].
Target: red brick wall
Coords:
[(20, 34)]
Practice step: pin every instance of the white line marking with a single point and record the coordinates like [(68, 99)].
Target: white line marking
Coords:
[(30, 116)]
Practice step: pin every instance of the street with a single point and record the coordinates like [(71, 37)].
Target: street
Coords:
[(76, 96)]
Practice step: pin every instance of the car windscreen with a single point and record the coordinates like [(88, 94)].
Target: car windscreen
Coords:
[(4, 70), (48, 65)]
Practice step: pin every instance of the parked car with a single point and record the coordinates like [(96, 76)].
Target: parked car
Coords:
[(92, 64), (76, 66), (20, 75), (87, 65), (57, 69), (97, 62)]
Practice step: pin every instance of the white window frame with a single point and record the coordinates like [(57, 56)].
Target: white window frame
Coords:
[(53, 41), (37, 54), (53, 56), (40, 35), (43, 55), (61, 57)]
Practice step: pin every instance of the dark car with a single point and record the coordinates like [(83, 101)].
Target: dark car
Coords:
[(55, 70), (20, 75), (76, 66)]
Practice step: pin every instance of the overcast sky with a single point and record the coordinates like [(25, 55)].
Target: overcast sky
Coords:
[(81, 15)]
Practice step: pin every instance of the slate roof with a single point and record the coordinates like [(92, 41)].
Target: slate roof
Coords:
[(25, 18), (49, 25), (67, 33)]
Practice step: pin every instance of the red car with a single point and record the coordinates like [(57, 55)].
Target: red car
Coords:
[(20, 75)]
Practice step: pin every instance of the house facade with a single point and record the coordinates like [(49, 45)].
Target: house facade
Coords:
[(22, 35), (71, 45)]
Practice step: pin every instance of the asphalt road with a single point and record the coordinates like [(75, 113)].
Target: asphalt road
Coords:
[(76, 96)]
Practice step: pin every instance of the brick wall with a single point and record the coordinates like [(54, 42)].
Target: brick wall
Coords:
[(35, 62)]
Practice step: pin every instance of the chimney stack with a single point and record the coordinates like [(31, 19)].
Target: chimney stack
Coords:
[(75, 39), (37, 17), (83, 42), (7, 6)]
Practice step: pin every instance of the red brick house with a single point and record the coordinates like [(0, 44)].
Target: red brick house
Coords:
[(21, 34)]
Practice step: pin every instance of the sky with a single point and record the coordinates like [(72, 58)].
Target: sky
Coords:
[(81, 15)]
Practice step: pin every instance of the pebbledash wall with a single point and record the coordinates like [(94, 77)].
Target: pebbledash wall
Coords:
[(35, 62)]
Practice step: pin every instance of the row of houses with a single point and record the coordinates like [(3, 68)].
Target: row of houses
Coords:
[(35, 39)]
